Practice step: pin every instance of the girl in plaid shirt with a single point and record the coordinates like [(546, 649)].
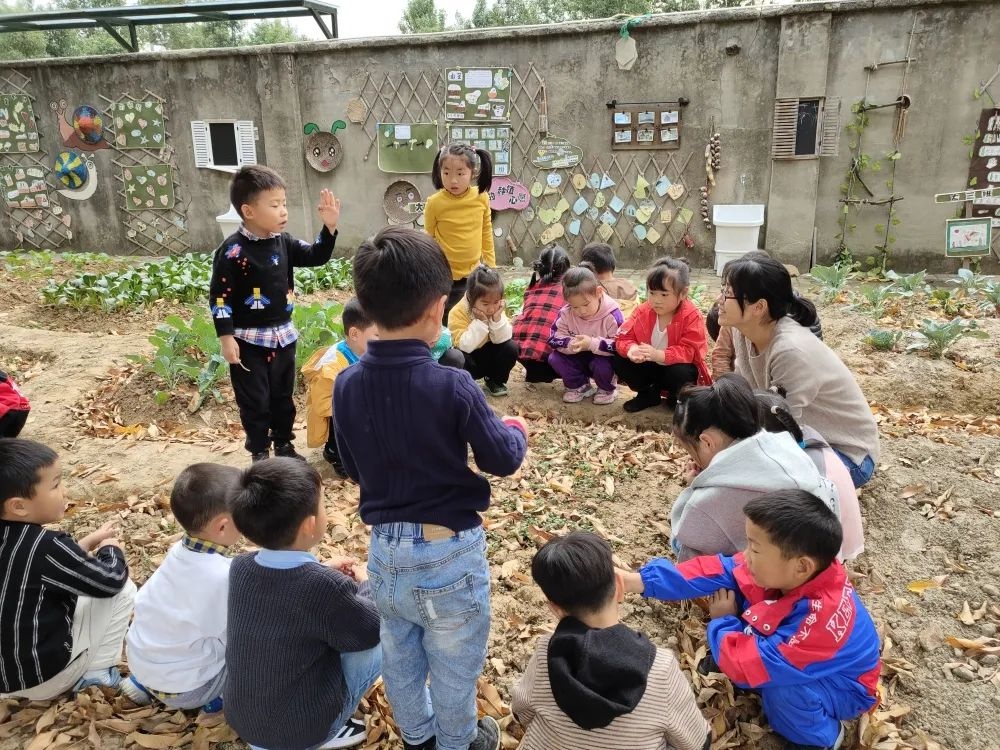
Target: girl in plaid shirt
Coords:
[(542, 302)]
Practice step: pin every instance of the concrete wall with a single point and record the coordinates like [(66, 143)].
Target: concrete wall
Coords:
[(809, 49)]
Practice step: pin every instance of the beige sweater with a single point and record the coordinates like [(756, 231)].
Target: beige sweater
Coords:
[(821, 391), (667, 715)]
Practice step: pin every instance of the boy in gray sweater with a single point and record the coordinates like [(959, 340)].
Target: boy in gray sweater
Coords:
[(303, 644)]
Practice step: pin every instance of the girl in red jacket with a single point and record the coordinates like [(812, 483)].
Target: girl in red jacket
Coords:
[(14, 407), (662, 346)]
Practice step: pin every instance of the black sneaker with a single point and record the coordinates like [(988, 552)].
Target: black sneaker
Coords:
[(495, 388), (333, 458), (351, 734), (488, 737), (287, 450), (430, 744), (644, 400), (255, 457)]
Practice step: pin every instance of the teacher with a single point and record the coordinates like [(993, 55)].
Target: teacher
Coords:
[(774, 346)]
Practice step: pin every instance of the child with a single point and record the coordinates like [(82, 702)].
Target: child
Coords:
[(542, 302), (776, 416), (734, 462), (404, 425), (595, 682), (481, 331), (320, 372), (583, 339), (785, 619), (251, 295), (14, 407), (662, 346), (303, 643), (600, 259), (176, 647), (65, 604), (458, 215)]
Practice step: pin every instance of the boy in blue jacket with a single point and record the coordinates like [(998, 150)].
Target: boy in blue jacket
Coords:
[(785, 619)]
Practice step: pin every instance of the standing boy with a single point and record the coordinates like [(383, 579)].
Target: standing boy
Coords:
[(251, 295), (404, 425), (65, 605)]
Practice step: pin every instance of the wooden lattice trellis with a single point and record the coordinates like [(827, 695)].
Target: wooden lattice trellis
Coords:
[(151, 232), (35, 227), (418, 96)]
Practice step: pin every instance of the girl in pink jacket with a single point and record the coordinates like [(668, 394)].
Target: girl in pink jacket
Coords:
[(583, 339)]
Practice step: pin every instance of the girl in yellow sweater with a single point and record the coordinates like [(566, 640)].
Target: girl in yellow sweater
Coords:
[(458, 214)]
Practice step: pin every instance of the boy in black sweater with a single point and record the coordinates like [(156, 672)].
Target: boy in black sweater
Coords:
[(251, 295), (65, 605)]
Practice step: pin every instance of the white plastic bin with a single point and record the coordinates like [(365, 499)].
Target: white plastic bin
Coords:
[(736, 231), (229, 222)]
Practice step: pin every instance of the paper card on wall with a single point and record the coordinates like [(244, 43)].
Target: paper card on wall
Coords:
[(600, 201), (606, 182), (545, 215), (536, 189), (640, 187), (630, 210), (562, 207), (552, 234), (402, 132), (684, 215), (666, 216), (675, 191), (549, 190), (506, 194), (579, 181), (604, 232), (609, 218), (653, 236), (574, 227), (580, 205), (595, 181), (639, 231), (617, 204), (553, 179), (593, 213), (642, 215), (661, 186)]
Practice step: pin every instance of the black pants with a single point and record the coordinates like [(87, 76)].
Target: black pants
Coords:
[(264, 394), (493, 361), (538, 372), (454, 296), (12, 423), (643, 377)]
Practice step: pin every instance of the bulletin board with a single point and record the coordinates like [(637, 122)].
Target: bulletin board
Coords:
[(473, 94), (649, 126), (18, 131), (24, 186), (407, 148), (493, 138)]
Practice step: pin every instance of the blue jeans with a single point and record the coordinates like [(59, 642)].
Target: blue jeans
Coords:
[(860, 473), (434, 601), (361, 670)]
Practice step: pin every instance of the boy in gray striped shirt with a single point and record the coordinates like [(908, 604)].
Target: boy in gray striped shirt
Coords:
[(64, 605), (595, 682)]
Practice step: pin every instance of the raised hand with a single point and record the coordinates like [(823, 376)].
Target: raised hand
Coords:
[(329, 209)]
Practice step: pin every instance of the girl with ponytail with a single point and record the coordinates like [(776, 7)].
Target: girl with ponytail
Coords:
[(774, 346), (734, 462), (458, 214), (542, 302)]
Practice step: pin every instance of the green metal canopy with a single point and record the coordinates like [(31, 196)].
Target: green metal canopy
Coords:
[(122, 21)]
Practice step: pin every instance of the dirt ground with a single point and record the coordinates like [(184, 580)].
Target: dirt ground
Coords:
[(930, 575)]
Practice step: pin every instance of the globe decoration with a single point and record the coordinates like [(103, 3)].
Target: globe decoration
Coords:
[(88, 124), (71, 169)]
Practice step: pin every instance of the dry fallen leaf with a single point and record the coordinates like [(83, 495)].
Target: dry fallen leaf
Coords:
[(919, 587)]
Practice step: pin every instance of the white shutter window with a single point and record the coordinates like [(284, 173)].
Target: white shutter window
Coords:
[(786, 112), (246, 145), (830, 144), (202, 144)]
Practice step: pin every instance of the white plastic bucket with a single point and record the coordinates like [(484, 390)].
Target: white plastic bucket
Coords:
[(737, 228)]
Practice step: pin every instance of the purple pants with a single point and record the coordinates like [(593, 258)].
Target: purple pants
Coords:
[(577, 369)]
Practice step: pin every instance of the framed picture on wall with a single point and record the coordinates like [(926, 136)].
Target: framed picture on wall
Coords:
[(650, 125)]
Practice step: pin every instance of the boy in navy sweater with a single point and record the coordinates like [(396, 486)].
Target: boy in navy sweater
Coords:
[(404, 425), (251, 295)]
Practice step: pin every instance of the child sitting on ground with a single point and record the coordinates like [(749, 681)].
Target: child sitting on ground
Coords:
[(583, 339), (303, 643), (321, 371), (176, 647), (662, 346), (542, 302), (785, 619), (251, 295), (776, 416), (14, 407), (595, 683), (481, 332), (600, 259), (404, 425), (66, 604)]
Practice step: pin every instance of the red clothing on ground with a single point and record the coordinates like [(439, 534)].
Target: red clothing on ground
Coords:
[(687, 340)]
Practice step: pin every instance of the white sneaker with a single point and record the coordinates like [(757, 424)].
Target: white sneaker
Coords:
[(109, 677), (134, 691), (351, 734)]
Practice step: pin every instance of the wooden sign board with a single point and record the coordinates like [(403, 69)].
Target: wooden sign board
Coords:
[(646, 126), (968, 238), (961, 196), (984, 168), (477, 94)]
